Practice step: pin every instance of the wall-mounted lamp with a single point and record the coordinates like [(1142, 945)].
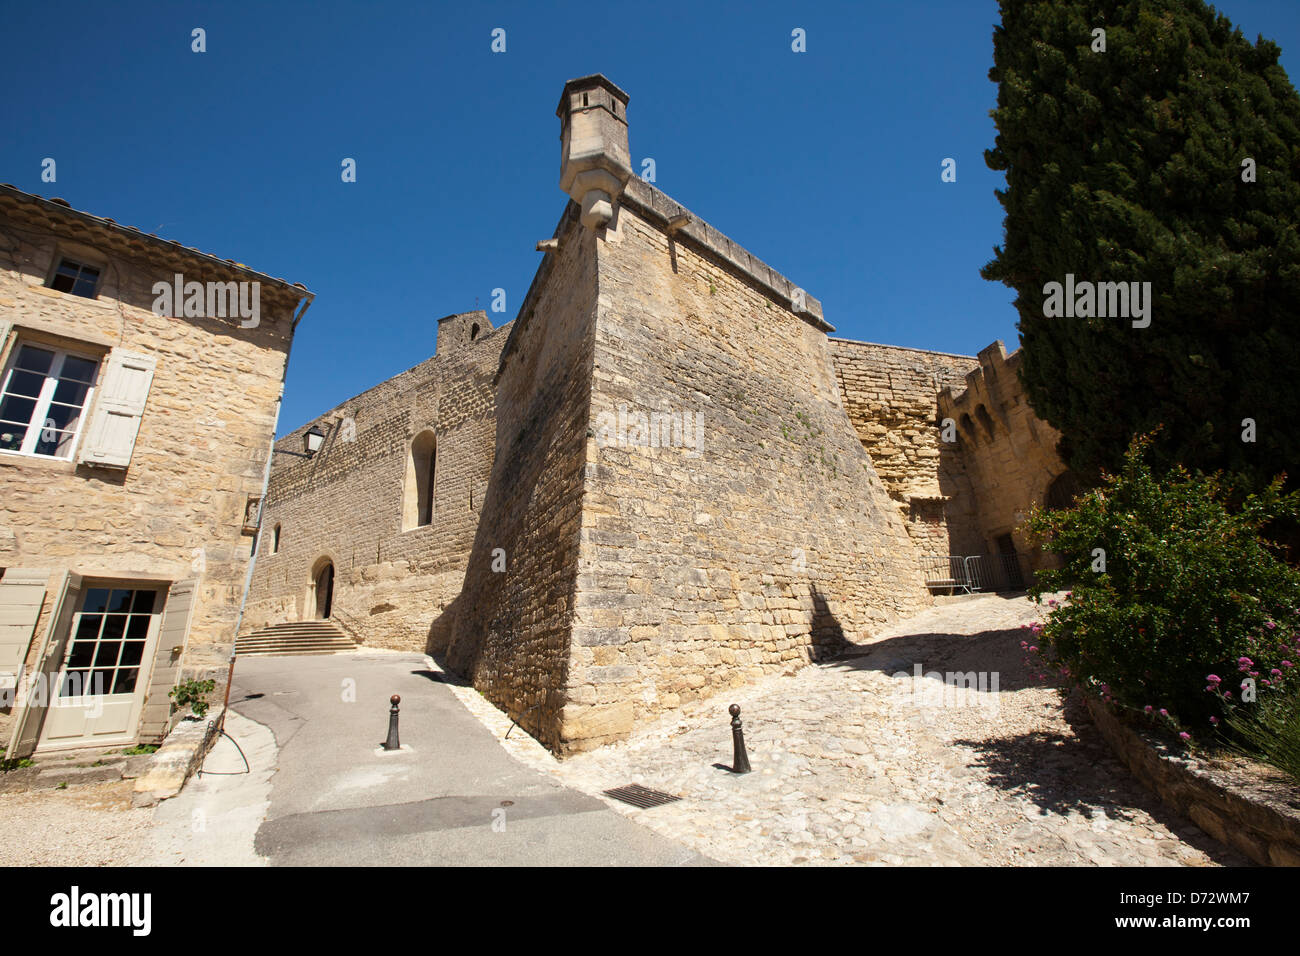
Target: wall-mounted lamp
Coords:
[(311, 443)]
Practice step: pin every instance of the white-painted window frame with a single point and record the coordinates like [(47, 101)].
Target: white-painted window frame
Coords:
[(46, 397)]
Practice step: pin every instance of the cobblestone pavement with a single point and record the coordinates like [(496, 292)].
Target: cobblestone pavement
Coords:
[(857, 760)]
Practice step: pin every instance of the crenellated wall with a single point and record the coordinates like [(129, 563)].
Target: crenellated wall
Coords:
[(891, 395), (1010, 453)]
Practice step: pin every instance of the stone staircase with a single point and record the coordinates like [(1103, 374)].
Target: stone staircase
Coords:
[(295, 638)]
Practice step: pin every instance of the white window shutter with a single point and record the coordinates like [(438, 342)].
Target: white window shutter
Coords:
[(22, 592), (5, 329), (119, 406), (49, 658)]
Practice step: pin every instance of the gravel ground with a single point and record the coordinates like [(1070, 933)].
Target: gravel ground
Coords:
[(91, 825)]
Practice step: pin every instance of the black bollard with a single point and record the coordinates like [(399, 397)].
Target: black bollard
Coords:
[(392, 742), (740, 759)]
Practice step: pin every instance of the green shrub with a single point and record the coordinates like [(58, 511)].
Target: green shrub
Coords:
[(1188, 586), (193, 692)]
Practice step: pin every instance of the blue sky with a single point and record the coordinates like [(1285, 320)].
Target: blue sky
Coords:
[(824, 164)]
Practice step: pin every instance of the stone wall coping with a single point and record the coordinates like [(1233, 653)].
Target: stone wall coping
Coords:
[(1258, 816), (658, 208), (901, 348)]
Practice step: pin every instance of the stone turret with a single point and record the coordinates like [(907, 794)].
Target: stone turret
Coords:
[(595, 163)]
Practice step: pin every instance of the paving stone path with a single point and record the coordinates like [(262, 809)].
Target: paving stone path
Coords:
[(856, 760)]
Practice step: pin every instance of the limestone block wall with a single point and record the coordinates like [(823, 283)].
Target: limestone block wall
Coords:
[(512, 624), (1010, 453), (347, 504), (757, 547), (177, 511), (891, 395)]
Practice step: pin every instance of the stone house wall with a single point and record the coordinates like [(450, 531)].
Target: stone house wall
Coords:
[(177, 511)]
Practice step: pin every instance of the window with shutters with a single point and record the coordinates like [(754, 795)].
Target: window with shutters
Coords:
[(44, 398)]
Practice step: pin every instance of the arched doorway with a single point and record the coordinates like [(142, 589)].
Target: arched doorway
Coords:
[(323, 591)]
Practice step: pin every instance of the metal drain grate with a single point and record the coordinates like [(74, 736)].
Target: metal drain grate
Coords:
[(640, 796)]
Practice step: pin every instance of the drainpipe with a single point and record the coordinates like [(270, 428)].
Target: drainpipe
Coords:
[(266, 482)]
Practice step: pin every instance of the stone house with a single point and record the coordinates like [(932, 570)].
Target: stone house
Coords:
[(661, 480), (141, 384)]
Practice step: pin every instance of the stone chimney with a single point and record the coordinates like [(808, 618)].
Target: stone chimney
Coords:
[(595, 163)]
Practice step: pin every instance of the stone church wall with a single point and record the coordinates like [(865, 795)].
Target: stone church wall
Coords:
[(346, 504), (513, 621), (764, 545)]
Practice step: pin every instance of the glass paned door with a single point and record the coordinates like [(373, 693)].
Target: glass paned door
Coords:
[(100, 687)]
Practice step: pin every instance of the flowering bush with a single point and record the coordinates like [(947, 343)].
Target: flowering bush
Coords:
[(1261, 701), (1168, 582)]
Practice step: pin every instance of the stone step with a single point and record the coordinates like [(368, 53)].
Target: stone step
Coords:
[(295, 646), (296, 638)]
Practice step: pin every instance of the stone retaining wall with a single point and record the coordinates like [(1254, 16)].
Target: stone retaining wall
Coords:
[(1259, 817)]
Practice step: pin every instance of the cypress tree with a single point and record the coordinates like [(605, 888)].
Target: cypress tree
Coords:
[(1130, 165)]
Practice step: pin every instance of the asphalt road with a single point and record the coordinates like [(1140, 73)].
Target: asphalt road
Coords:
[(451, 796)]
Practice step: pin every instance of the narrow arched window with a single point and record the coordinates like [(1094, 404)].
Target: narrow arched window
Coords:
[(431, 468), (418, 499), (275, 541)]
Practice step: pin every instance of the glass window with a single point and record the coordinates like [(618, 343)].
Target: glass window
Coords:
[(108, 639), (43, 401), (76, 278)]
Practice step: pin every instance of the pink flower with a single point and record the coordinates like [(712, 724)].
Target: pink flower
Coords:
[(1276, 672), (1033, 650), (1214, 678), (1215, 721), (1270, 625), (1148, 708), (1163, 712), (1185, 735)]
